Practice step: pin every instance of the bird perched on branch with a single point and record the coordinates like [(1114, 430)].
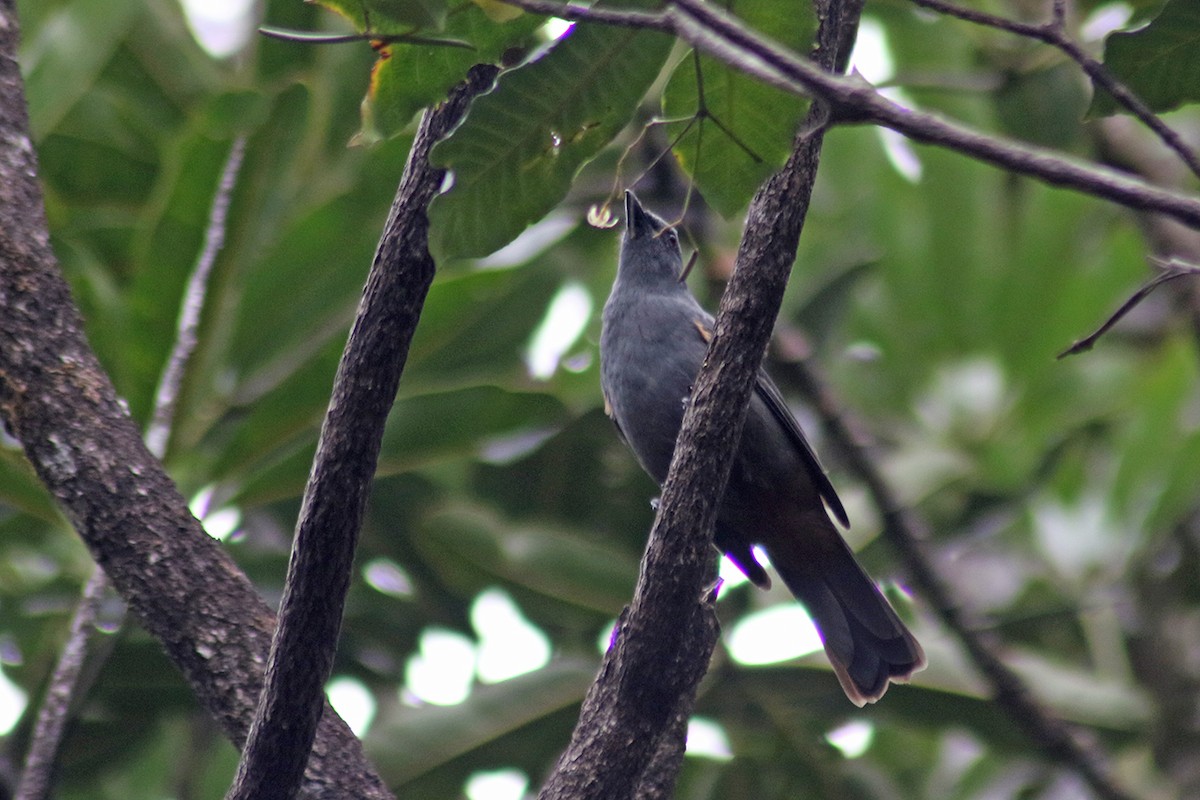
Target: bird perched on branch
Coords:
[(654, 340)]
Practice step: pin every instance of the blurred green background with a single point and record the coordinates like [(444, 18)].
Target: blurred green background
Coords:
[(506, 523)]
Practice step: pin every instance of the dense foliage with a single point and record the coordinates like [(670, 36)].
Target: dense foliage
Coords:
[(934, 292)]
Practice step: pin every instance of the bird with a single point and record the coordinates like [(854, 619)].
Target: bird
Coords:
[(654, 337)]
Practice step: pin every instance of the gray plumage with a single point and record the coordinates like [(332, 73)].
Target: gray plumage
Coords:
[(654, 339)]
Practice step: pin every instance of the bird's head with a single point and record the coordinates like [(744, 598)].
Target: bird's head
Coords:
[(649, 246)]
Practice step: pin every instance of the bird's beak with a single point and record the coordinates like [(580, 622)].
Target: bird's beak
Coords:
[(638, 221)]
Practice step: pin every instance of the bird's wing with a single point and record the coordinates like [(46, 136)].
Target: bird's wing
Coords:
[(769, 393)]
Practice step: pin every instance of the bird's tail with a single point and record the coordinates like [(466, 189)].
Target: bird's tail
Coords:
[(867, 644)]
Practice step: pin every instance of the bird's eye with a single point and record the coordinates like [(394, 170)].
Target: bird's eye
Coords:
[(673, 236)]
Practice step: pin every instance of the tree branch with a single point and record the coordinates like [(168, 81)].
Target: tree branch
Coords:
[(767, 250), (907, 531), (727, 39), (57, 401), (158, 432), (657, 781), (334, 500), (1168, 271), (1054, 34), (61, 695), (65, 686), (1124, 146), (664, 640)]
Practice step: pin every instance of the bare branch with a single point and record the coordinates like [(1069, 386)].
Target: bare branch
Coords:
[(908, 531), (61, 695), (727, 39), (1054, 34), (647, 682), (309, 37), (57, 401), (1170, 270), (319, 572), (1058, 13), (158, 432), (1125, 146), (658, 779)]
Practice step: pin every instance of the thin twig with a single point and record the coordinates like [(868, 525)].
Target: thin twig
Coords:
[(61, 695), (1170, 271), (158, 432), (703, 112), (309, 37), (1054, 34), (731, 42), (601, 217), (1058, 13)]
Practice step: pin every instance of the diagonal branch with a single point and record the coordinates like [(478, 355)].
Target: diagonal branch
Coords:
[(187, 328), (63, 692), (727, 39), (56, 399), (66, 684), (364, 390), (1169, 271), (907, 531), (664, 640), (1054, 34)]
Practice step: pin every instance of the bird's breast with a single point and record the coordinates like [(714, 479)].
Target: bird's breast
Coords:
[(648, 361)]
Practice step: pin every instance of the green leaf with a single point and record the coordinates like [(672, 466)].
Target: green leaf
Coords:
[(743, 131), (265, 447), (582, 477), (951, 686), (20, 488), (269, 451), (1156, 437), (410, 77), (461, 423), (62, 62), (473, 547), (390, 16), (413, 742), (1160, 62), (517, 152), (1043, 106), (475, 326)]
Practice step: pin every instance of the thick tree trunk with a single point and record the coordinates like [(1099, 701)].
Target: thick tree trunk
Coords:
[(58, 402)]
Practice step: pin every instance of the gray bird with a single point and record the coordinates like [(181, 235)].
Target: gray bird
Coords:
[(654, 339)]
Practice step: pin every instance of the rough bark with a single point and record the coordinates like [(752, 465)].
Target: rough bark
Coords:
[(663, 642), (319, 574), (57, 401)]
